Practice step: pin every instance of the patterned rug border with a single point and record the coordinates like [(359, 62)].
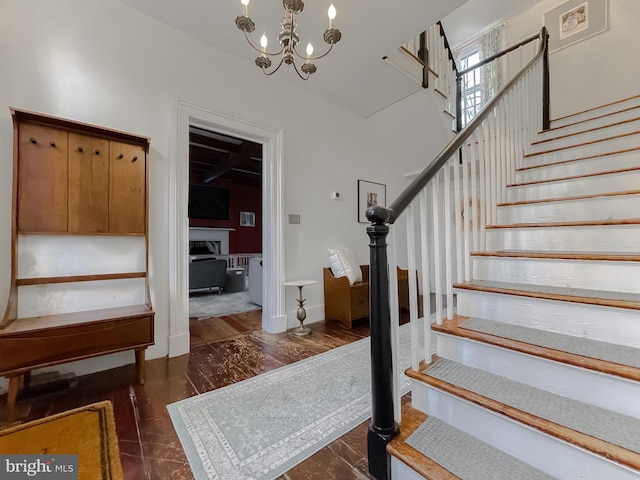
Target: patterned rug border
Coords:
[(338, 423)]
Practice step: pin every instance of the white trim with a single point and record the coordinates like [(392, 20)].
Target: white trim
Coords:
[(184, 114)]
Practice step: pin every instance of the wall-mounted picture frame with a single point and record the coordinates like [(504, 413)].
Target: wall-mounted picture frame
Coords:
[(247, 219), (574, 21), (369, 195)]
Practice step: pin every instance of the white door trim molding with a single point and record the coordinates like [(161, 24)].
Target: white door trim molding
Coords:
[(184, 114)]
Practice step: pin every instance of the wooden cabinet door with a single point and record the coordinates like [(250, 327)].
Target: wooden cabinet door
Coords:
[(42, 179), (127, 188), (88, 184)]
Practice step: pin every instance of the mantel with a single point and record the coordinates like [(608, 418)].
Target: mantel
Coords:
[(215, 234)]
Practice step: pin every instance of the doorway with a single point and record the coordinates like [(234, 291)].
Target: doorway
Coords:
[(225, 224), (186, 115)]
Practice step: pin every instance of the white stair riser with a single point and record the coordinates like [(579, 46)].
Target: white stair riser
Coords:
[(619, 238), (601, 121), (600, 208), (594, 388), (590, 274), (400, 470), (599, 184), (582, 151), (630, 126), (597, 112), (581, 167), (542, 451), (613, 325)]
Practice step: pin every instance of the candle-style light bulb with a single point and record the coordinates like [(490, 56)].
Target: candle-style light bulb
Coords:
[(264, 42), (309, 52), (245, 4), (332, 14)]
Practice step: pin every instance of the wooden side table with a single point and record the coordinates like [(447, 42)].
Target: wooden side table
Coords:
[(301, 313)]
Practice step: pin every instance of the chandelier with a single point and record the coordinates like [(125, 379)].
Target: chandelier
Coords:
[(288, 39)]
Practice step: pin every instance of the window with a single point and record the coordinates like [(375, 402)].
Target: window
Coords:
[(471, 85), (480, 85)]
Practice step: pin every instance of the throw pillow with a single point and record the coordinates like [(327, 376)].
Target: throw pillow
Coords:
[(343, 262)]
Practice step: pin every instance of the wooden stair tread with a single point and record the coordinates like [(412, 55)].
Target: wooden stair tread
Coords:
[(574, 295), (595, 445), (594, 109), (588, 130), (582, 223), (62, 320), (597, 117), (569, 199), (581, 144), (411, 420), (579, 159), (452, 327), (575, 177), (596, 256)]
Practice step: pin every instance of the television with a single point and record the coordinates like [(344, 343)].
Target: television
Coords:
[(208, 202)]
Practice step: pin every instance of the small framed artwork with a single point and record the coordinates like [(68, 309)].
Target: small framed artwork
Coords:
[(574, 21), (247, 219), (370, 194)]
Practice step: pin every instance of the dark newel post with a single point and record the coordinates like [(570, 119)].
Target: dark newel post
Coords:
[(383, 427), (546, 116), (424, 56), (458, 103)]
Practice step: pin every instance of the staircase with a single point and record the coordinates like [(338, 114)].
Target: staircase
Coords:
[(537, 375)]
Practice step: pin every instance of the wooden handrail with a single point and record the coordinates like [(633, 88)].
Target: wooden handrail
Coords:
[(501, 53), (448, 47), (390, 214)]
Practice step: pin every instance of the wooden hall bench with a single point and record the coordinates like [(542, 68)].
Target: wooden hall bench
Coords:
[(347, 303)]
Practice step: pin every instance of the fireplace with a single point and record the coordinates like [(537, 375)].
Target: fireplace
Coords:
[(209, 240)]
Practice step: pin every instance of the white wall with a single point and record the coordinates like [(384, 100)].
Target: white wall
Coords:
[(101, 62), (598, 70)]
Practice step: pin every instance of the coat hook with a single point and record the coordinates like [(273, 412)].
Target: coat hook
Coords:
[(52, 143), (121, 155), (80, 149), (134, 159), (97, 151), (33, 140)]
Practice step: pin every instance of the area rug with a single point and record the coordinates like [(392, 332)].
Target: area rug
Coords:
[(214, 305), (261, 427), (88, 432)]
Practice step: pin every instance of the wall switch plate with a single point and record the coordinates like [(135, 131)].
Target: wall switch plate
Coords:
[(335, 195), (294, 219)]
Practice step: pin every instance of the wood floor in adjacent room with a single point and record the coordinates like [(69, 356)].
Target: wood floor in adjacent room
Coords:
[(224, 351)]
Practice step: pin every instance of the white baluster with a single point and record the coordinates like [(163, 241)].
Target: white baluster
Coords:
[(435, 194), (395, 323), (413, 288), (426, 284), (447, 237)]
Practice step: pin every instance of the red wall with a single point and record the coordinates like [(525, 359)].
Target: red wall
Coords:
[(243, 198)]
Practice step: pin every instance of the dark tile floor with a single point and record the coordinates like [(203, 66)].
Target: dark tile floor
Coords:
[(224, 351)]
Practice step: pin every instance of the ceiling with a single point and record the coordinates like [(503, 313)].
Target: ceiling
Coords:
[(213, 156), (353, 76)]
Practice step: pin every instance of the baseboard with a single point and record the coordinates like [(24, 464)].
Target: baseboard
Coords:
[(314, 314), (179, 344), (275, 324)]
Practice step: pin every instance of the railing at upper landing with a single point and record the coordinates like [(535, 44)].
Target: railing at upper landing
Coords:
[(474, 169)]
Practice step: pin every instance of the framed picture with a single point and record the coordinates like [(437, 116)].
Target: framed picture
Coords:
[(370, 194), (247, 219), (574, 21)]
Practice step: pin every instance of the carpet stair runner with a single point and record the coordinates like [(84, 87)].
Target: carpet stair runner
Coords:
[(538, 376)]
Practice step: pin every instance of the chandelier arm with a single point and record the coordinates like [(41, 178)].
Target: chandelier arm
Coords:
[(271, 54), (304, 57), (295, 67), (275, 69)]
